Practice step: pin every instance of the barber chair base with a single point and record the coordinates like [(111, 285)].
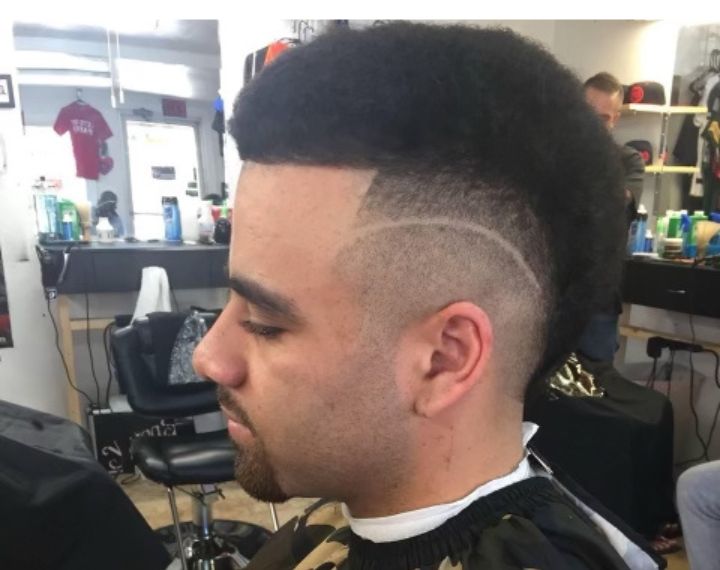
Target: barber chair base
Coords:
[(232, 545)]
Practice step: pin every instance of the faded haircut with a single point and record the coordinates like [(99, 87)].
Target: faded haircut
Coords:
[(495, 182), (605, 82)]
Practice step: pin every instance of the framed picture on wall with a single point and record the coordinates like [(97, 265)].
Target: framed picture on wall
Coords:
[(6, 340), (7, 97)]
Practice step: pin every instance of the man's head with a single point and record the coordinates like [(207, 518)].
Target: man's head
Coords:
[(604, 93), (424, 216), (107, 204)]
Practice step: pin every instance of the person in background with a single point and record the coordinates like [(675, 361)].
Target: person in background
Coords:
[(107, 208), (604, 93), (599, 340), (698, 501), (404, 269)]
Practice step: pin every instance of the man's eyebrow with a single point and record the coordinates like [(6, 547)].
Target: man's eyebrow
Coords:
[(266, 301)]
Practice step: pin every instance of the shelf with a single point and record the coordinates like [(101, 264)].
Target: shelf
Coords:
[(644, 334), (669, 169), (663, 109), (91, 324)]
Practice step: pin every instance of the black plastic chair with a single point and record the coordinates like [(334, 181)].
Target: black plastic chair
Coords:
[(203, 460)]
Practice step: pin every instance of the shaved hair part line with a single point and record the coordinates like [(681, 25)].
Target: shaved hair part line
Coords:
[(492, 235)]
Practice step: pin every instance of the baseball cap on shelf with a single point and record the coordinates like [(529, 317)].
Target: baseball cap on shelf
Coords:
[(644, 148), (649, 92), (107, 198)]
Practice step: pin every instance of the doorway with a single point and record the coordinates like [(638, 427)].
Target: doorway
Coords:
[(164, 161)]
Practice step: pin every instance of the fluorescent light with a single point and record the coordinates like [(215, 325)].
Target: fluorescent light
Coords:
[(153, 77), (67, 79), (129, 25), (38, 59)]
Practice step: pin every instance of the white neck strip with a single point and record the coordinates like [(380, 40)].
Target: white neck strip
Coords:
[(417, 522)]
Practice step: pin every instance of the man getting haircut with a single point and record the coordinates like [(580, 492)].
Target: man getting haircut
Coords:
[(423, 218)]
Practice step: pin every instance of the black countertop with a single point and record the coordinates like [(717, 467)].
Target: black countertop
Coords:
[(673, 286), (122, 245), (117, 267)]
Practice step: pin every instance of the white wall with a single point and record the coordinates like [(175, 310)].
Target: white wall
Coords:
[(238, 38), (29, 372), (41, 105), (542, 31), (632, 51)]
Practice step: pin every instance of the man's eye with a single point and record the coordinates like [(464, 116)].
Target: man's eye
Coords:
[(261, 330)]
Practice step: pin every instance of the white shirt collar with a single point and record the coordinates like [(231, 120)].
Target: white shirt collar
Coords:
[(417, 522), (414, 523)]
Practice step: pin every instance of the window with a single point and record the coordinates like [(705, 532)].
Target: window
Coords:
[(164, 161)]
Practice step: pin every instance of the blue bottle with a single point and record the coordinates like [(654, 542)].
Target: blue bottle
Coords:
[(632, 237), (648, 242), (640, 231), (171, 217), (67, 227), (685, 224)]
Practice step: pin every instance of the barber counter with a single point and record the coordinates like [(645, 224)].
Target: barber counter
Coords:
[(117, 268), (671, 286)]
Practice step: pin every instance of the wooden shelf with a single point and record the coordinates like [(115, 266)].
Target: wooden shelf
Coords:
[(664, 109), (93, 324), (644, 334), (670, 169)]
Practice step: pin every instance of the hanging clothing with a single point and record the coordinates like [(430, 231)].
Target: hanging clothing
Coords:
[(88, 130), (697, 186), (254, 63), (711, 151), (686, 153)]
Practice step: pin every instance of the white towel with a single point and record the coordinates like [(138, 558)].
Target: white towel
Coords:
[(154, 292)]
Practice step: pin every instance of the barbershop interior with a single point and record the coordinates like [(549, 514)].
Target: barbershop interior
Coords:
[(119, 202)]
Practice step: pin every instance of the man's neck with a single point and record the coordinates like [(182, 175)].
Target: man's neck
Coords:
[(451, 469)]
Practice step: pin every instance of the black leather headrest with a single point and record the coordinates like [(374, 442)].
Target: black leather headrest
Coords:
[(142, 363), (170, 322)]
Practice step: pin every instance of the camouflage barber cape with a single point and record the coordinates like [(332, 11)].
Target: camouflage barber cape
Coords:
[(528, 525)]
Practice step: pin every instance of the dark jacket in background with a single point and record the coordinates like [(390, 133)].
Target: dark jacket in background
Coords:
[(634, 167)]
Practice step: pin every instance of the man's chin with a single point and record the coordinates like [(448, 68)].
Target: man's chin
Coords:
[(262, 494), (257, 477)]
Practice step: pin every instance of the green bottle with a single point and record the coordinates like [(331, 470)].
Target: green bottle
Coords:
[(66, 210), (661, 233), (673, 224)]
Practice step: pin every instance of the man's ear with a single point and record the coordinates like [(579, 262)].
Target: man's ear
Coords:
[(456, 346)]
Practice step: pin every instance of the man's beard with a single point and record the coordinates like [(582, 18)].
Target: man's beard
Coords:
[(253, 469)]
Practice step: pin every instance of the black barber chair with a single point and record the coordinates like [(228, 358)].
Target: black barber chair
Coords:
[(59, 509), (618, 447), (142, 354)]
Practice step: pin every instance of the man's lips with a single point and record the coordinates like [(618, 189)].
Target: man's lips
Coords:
[(230, 416), (238, 431)]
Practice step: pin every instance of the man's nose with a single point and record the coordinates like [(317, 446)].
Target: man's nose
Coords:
[(219, 356)]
